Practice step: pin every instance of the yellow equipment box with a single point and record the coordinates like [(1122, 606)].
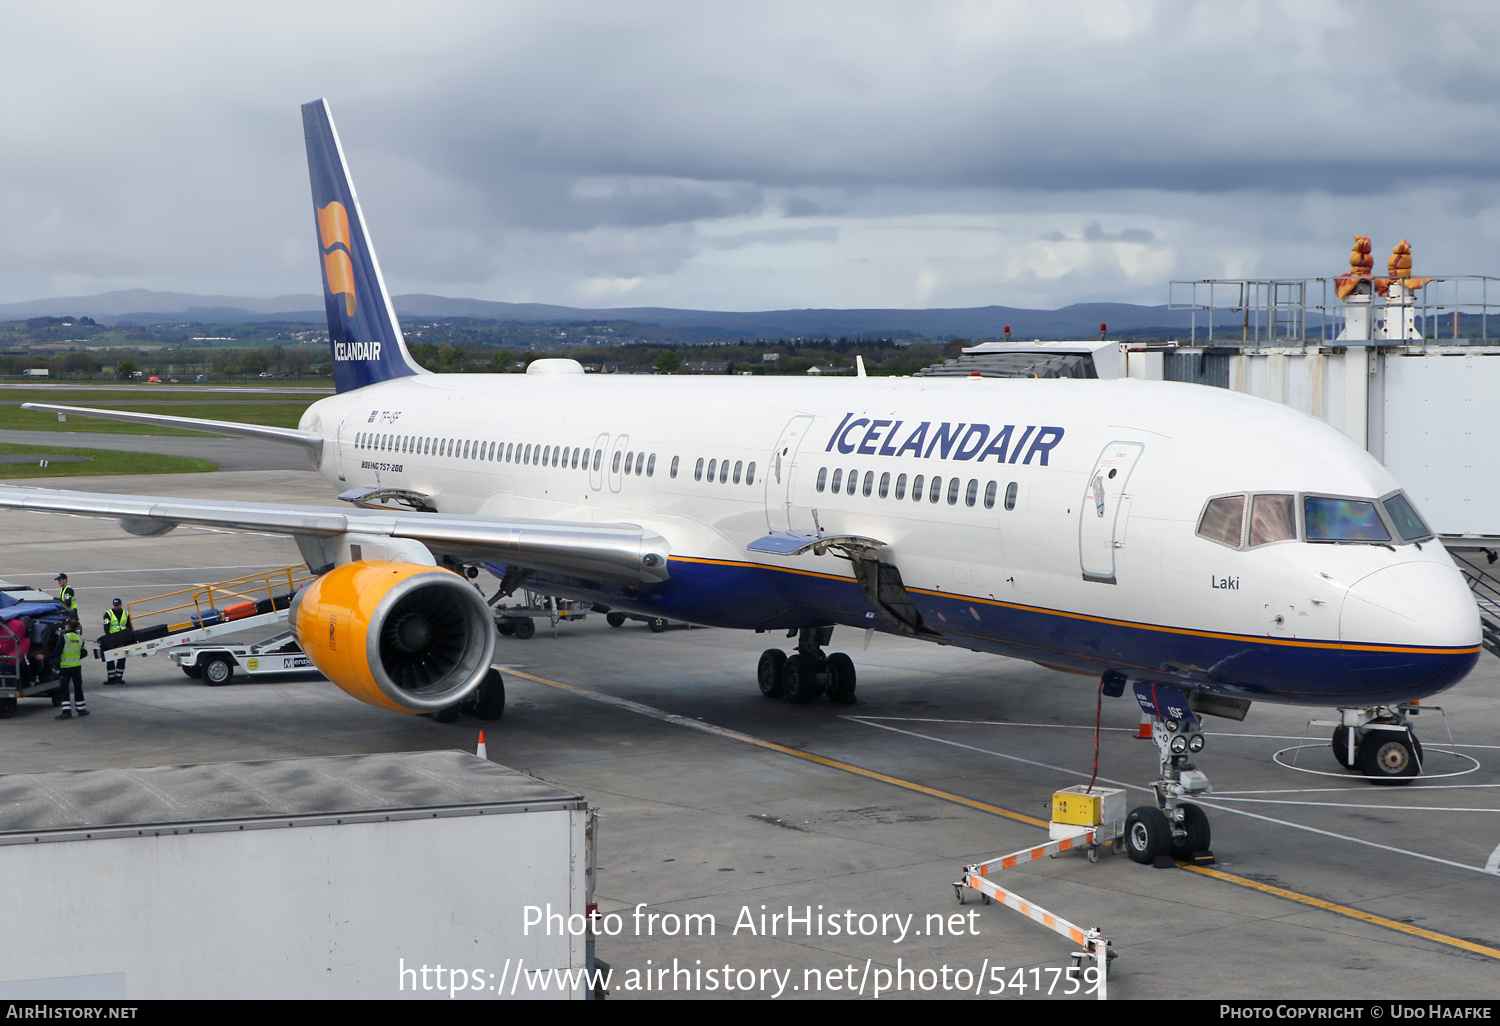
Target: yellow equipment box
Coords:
[(1077, 806)]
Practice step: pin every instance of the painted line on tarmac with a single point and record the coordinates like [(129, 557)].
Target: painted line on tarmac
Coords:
[(162, 569), (1492, 864), (821, 760), (1344, 910), (1208, 803), (1090, 728), (1216, 874), (1357, 805)]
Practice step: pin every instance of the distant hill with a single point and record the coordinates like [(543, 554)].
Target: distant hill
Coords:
[(1079, 320)]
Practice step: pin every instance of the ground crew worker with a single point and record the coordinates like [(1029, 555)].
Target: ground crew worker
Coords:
[(116, 619), (70, 671), (67, 596)]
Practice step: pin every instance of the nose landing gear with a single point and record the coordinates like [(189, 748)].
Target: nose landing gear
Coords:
[(1173, 828), (1380, 742), (807, 672)]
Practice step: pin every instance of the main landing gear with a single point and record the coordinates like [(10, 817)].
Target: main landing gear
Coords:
[(1172, 828), (1380, 743), (807, 672)]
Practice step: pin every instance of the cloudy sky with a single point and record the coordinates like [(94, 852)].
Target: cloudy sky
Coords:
[(749, 156)]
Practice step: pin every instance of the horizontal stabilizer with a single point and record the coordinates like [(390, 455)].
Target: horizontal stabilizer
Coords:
[(313, 443)]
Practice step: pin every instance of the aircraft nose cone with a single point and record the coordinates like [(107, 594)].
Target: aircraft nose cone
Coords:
[(1418, 604)]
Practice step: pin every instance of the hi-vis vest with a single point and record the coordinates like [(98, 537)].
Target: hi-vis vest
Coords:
[(68, 598), (72, 653), (113, 623)]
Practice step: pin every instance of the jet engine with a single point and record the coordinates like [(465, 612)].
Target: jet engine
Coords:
[(398, 636)]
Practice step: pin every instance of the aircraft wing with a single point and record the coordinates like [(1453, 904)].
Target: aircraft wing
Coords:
[(609, 551), (308, 440)]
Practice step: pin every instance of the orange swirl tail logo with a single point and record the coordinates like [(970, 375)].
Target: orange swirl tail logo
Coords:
[(333, 231)]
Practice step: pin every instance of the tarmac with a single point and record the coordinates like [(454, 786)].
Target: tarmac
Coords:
[(715, 799)]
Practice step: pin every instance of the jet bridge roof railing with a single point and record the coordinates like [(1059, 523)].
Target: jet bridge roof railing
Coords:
[(1301, 311)]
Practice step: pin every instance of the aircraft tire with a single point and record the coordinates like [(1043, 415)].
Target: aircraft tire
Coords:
[(448, 715), (8, 708), (506, 628), (1147, 834), (657, 625), (1340, 746), (1387, 758), (615, 619), (1195, 823), (489, 701), (769, 672), (525, 627), (799, 680), (841, 679)]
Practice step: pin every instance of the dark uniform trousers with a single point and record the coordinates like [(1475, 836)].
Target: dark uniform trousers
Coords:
[(115, 668)]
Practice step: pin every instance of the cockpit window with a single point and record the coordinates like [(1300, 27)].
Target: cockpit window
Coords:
[(1272, 518), (1408, 521), (1343, 520), (1223, 520)]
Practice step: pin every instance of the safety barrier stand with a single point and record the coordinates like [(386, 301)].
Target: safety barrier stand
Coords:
[(1091, 942)]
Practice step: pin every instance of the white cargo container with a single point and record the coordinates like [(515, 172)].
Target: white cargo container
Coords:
[(342, 877)]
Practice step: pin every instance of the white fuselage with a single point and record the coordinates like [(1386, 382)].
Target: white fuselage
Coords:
[(1064, 527)]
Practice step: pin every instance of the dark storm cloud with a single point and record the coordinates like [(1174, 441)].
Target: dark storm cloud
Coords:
[(564, 150)]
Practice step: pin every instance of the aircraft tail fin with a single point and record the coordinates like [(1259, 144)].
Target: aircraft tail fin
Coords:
[(362, 328)]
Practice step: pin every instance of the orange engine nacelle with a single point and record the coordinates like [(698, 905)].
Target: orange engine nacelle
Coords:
[(399, 636)]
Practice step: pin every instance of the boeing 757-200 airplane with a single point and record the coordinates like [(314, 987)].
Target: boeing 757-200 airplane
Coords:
[(1206, 548)]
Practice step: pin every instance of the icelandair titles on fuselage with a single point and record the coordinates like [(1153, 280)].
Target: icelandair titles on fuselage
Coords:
[(358, 351), (950, 441)]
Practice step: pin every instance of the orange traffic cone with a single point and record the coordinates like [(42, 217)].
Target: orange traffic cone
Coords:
[(482, 752), (1145, 727)]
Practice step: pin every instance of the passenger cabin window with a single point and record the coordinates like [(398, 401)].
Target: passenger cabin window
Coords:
[(1272, 518), (916, 488), (989, 494), (972, 493), (1223, 520), (1347, 520), (698, 470), (749, 472), (651, 466), (674, 468), (724, 472), (822, 478), (838, 479), (901, 487)]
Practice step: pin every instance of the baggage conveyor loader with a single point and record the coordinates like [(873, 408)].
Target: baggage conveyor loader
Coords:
[(195, 615)]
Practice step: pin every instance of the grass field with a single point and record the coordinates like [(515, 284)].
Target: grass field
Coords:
[(267, 406), (100, 462)]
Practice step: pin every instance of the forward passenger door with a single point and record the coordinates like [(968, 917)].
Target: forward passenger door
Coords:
[(1103, 510)]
